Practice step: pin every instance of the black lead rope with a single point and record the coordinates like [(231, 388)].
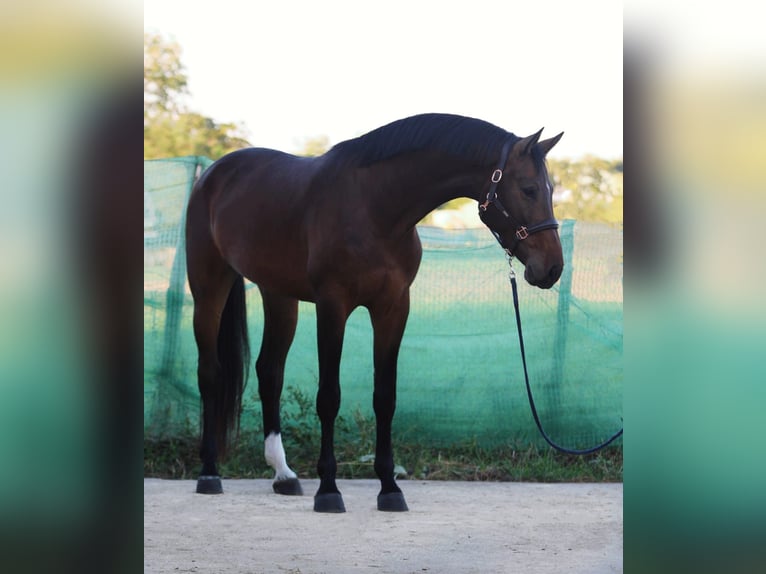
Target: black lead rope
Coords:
[(512, 277)]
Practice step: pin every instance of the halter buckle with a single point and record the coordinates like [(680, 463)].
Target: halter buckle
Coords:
[(522, 233), (497, 175)]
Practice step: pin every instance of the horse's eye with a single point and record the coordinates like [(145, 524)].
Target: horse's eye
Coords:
[(529, 191)]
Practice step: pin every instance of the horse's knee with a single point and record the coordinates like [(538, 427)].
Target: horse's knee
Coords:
[(384, 403), (328, 403)]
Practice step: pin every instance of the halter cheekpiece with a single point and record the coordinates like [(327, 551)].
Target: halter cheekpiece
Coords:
[(522, 231)]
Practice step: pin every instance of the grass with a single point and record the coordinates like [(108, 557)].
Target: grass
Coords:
[(178, 457)]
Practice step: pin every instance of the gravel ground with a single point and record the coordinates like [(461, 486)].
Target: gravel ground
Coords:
[(460, 527)]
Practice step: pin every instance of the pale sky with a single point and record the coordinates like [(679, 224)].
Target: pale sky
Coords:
[(297, 69)]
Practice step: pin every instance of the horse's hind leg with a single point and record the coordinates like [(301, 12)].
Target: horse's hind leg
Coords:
[(280, 318), (220, 331), (208, 307), (388, 320)]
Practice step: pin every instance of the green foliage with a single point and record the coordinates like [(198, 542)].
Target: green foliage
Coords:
[(190, 134), (588, 189), (355, 447), (165, 81), (170, 129), (315, 146)]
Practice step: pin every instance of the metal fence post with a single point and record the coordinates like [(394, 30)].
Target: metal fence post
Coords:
[(562, 313)]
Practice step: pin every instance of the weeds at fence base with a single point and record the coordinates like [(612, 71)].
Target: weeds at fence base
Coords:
[(178, 458)]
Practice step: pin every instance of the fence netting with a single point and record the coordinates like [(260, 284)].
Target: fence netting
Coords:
[(460, 373)]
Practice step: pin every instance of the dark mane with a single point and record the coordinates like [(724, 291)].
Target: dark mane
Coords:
[(468, 138)]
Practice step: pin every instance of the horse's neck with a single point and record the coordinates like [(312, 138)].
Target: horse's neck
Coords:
[(406, 191)]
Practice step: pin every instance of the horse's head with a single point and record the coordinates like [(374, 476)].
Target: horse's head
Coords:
[(519, 209)]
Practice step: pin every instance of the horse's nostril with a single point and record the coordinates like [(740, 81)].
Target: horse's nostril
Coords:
[(555, 272)]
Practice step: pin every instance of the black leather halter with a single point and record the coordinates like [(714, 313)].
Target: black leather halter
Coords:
[(492, 219)]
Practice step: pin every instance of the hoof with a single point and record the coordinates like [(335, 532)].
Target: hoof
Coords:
[(209, 485), (330, 502), (288, 486), (392, 502)]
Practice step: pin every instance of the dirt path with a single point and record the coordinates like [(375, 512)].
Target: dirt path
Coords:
[(452, 527)]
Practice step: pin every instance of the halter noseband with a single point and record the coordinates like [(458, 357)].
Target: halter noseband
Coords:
[(522, 231)]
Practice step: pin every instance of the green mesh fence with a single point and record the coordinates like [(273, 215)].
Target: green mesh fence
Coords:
[(460, 372)]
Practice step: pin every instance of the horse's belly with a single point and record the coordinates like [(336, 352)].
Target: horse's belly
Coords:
[(273, 273)]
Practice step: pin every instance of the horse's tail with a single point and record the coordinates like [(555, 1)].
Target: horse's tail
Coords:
[(234, 364)]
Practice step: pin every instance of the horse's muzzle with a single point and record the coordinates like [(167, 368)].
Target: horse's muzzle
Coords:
[(544, 280)]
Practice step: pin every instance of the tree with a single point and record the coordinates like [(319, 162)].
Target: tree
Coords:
[(170, 128), (191, 134), (165, 81), (315, 146), (588, 189)]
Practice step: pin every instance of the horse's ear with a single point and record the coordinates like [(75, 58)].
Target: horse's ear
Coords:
[(524, 145), (546, 145)]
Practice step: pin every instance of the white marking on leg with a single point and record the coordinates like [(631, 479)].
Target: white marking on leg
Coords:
[(275, 456)]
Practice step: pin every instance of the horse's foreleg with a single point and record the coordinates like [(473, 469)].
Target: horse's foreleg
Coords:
[(331, 324), (280, 319), (388, 322)]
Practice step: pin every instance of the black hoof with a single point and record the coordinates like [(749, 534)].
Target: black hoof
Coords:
[(288, 486), (392, 502), (209, 485), (330, 502)]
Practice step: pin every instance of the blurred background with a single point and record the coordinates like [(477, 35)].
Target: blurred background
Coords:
[(694, 393), (70, 268)]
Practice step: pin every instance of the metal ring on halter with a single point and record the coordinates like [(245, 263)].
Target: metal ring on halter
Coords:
[(511, 270)]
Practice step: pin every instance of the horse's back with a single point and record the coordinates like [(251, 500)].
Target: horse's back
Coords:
[(253, 183), (258, 170)]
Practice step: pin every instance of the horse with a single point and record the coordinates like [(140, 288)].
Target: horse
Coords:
[(339, 230)]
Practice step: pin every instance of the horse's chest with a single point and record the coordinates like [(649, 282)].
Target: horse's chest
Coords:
[(367, 265), (384, 264)]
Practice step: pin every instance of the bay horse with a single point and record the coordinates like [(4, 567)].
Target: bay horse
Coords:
[(339, 231)]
